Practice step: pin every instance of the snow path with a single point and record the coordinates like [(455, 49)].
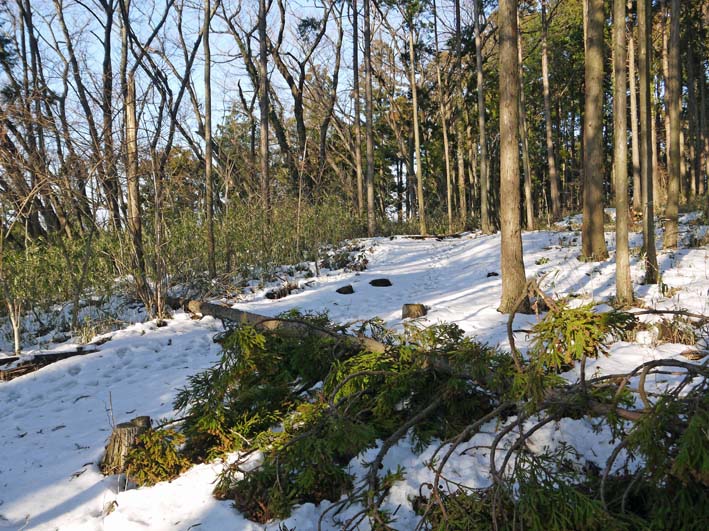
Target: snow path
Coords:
[(54, 423)]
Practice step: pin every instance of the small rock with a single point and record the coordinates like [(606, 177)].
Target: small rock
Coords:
[(412, 311), (380, 282), (345, 290), (493, 274)]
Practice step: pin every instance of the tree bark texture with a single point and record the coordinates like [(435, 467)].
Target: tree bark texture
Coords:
[(263, 102), (357, 108), (208, 177), (673, 107), (512, 265), (634, 128), (623, 285), (369, 118), (417, 132), (644, 24), (123, 438), (592, 239), (485, 221), (554, 186)]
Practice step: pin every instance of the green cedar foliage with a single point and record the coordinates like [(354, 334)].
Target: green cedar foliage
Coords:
[(156, 457), (310, 404), (328, 404)]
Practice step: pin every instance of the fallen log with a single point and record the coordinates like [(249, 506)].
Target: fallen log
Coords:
[(439, 237), (284, 327), (8, 360), (39, 360)]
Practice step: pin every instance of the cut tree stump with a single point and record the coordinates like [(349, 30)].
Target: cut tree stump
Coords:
[(122, 439), (412, 311)]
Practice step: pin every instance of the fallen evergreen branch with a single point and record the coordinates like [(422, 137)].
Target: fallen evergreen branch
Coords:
[(310, 402)]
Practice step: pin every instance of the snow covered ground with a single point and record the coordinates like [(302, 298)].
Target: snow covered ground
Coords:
[(54, 423)]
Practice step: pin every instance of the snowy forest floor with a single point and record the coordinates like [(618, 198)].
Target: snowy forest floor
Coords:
[(54, 423)]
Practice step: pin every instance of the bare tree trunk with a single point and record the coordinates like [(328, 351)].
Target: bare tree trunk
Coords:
[(634, 129), (417, 135), (512, 264), (369, 118), (208, 177), (107, 115), (703, 128), (644, 25), (459, 122), (135, 219), (592, 237), (656, 185), (551, 159), (263, 105), (665, 18), (485, 222), (693, 133), (623, 285), (357, 108), (683, 183), (528, 201), (673, 104), (443, 111)]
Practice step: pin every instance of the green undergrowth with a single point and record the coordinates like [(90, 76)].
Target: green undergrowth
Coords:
[(156, 457), (308, 399), (313, 402)]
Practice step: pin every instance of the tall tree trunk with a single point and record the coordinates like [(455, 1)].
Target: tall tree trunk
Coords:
[(673, 104), (656, 185), (623, 285), (443, 112), (485, 221), (112, 185), (634, 129), (460, 122), (135, 219), (684, 175), (208, 177), (551, 159), (592, 238), (512, 264), (665, 13), (644, 25), (693, 133), (417, 134), (357, 108), (263, 103), (371, 220), (528, 201), (703, 127)]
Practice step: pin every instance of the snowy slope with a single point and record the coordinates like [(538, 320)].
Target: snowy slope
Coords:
[(54, 423)]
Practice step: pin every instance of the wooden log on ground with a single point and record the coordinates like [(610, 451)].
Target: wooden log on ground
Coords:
[(123, 438), (284, 327), (8, 360), (39, 360)]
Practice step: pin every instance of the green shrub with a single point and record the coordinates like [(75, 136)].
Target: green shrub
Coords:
[(311, 403), (156, 457)]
